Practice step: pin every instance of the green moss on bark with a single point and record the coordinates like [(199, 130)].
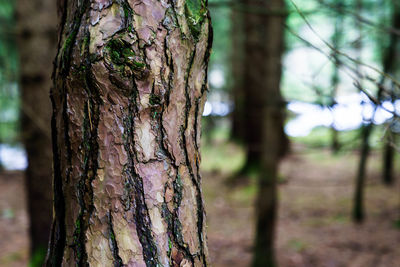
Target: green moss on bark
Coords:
[(195, 11), (124, 60)]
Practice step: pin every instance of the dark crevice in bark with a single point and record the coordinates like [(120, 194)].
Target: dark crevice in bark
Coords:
[(63, 11), (195, 180), (90, 164), (196, 125), (176, 18), (170, 64), (127, 14), (57, 237), (113, 242), (134, 186), (69, 43), (174, 225), (85, 190)]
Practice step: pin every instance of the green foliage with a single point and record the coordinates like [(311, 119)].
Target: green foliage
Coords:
[(397, 224), (8, 49), (221, 22), (321, 137), (38, 257), (9, 113), (9, 95), (297, 245), (370, 23), (225, 157)]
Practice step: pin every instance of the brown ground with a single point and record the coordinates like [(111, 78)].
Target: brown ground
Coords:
[(314, 227)]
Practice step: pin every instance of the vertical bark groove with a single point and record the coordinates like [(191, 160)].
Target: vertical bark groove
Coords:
[(113, 243)]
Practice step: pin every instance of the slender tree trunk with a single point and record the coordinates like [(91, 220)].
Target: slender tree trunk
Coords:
[(37, 39), (335, 80), (130, 83), (266, 38), (358, 212), (390, 65), (388, 158), (358, 209), (266, 213)]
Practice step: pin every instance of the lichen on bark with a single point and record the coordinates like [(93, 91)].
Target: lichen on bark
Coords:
[(129, 84)]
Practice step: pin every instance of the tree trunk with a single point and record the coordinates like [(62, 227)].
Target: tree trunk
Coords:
[(237, 70), (358, 209), (263, 19), (388, 158), (265, 46), (358, 212), (37, 39), (335, 80), (130, 83), (390, 66), (254, 71)]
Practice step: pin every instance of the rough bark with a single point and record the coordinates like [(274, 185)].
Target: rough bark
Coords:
[(37, 39), (130, 83), (265, 45)]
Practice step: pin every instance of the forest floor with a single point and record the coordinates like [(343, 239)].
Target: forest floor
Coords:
[(314, 225)]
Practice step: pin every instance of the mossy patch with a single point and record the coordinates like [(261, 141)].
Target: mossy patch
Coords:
[(120, 51), (195, 11), (123, 58), (154, 100)]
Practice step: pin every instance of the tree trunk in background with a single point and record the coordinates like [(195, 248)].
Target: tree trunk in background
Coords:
[(390, 66), (130, 84), (335, 80), (258, 40), (388, 158), (37, 40), (265, 46), (238, 132), (358, 209), (254, 73), (358, 213)]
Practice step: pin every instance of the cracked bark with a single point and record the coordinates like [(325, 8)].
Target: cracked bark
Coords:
[(130, 81)]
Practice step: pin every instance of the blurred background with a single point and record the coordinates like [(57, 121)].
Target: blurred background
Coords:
[(299, 144)]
